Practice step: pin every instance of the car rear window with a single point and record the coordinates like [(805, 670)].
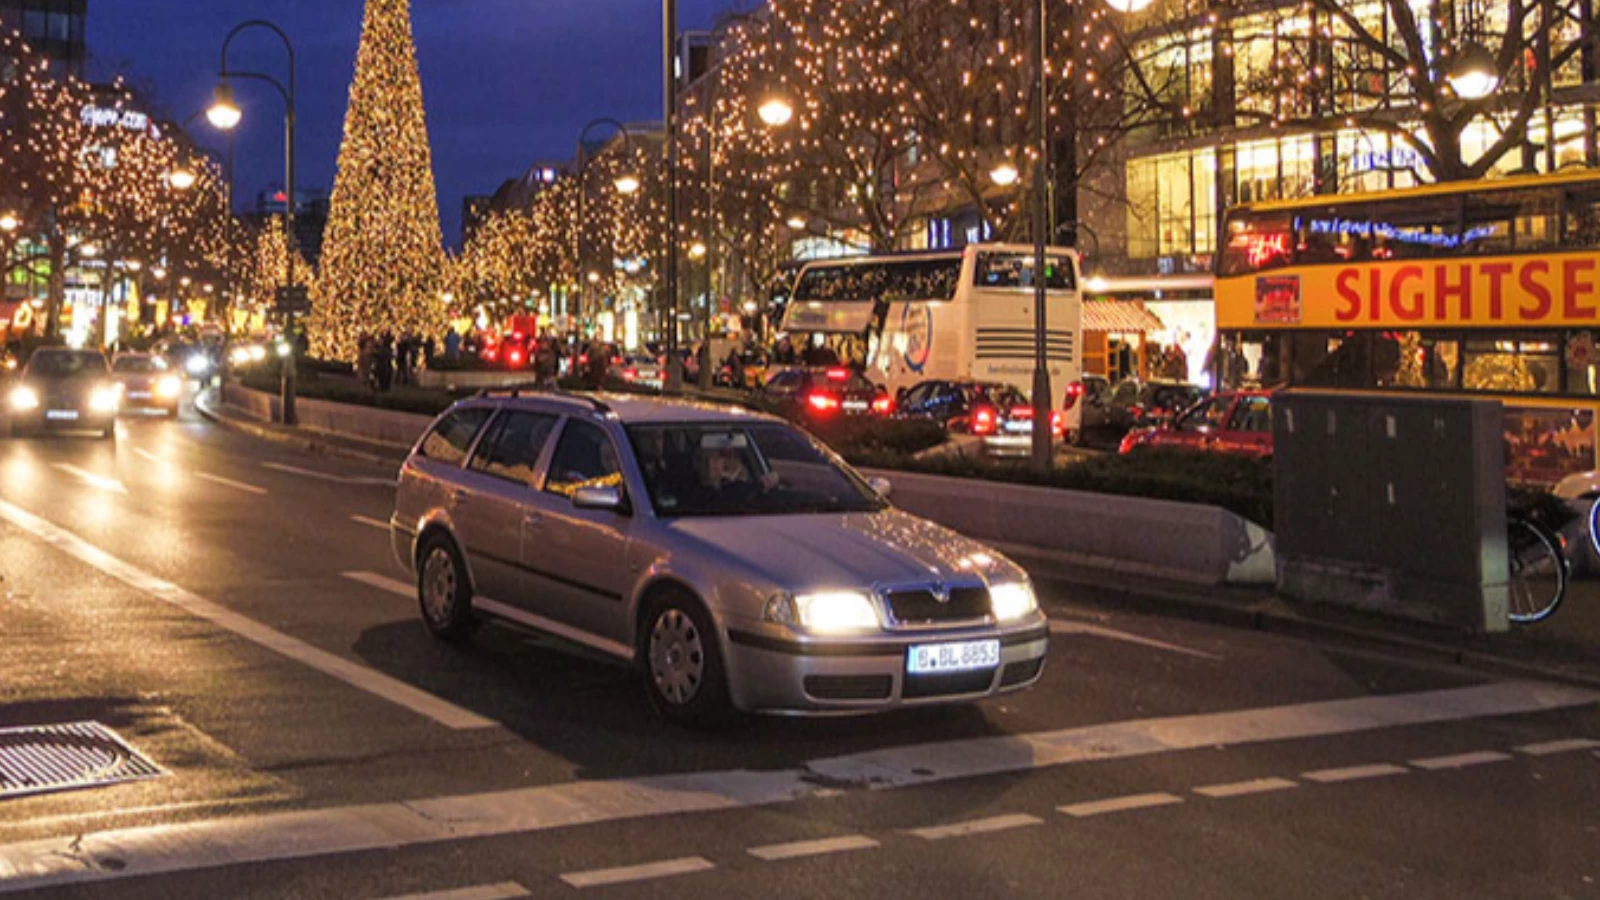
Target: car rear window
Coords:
[(449, 440), (512, 448)]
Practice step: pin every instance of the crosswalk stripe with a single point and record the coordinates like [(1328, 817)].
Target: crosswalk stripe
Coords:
[(505, 890), (1118, 804), (1460, 760), (976, 826), (798, 849), (1353, 773), (1245, 788), (644, 872), (1568, 745)]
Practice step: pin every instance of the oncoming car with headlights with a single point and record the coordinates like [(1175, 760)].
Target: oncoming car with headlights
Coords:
[(147, 382), (62, 389), (737, 563)]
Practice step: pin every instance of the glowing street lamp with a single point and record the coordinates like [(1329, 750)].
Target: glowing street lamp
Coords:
[(1004, 174), (594, 277), (626, 183), (181, 179), (796, 222), (9, 223), (224, 113), (775, 112), (1128, 6), (697, 250), (1474, 75)]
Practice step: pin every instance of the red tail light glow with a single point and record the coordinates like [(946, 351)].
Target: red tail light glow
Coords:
[(1074, 391), (630, 374), (1056, 423), (838, 374), (983, 421), (514, 358), (822, 403), (883, 405)]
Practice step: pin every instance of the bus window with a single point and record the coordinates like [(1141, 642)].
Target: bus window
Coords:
[(1256, 243), (891, 281), (1583, 370), (1332, 360), (1245, 360), (1524, 364), (1411, 359), (1581, 216), (1333, 234), (1417, 228), (1015, 270)]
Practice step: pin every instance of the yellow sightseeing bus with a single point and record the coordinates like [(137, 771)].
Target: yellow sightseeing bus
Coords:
[(1487, 288)]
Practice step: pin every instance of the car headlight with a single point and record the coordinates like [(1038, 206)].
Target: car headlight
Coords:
[(105, 398), (198, 364), (257, 353), (168, 386), (239, 356), (827, 612), (24, 398), (1010, 602)]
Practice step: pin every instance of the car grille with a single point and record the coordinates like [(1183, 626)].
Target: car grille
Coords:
[(849, 687), (920, 606), (946, 685), (1021, 672)]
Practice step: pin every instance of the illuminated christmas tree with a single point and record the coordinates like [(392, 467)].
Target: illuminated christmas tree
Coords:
[(382, 258)]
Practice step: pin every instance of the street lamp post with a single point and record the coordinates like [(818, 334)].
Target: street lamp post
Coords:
[(225, 114), (669, 67), (625, 183)]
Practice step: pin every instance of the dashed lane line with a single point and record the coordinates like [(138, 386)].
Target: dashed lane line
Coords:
[(148, 456), (1546, 748), (798, 849), (327, 476), (1245, 788), (354, 674), (99, 482), (229, 482), (1118, 804), (368, 520), (1063, 626), (1353, 773), (505, 890), (976, 826), (644, 872), (301, 834), (382, 583), (1460, 760)]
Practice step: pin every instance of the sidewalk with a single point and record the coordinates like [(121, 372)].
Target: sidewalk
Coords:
[(1565, 647)]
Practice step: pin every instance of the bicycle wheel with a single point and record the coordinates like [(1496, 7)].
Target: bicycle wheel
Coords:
[(1538, 572), (1594, 526)]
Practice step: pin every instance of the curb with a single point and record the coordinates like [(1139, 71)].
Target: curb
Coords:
[(1260, 616), (294, 439)]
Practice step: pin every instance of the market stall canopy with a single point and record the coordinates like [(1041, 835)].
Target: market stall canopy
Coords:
[(1119, 317)]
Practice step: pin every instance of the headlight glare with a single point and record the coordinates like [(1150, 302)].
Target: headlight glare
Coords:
[(168, 386), (24, 398), (105, 399), (826, 612), (1011, 602), (198, 364)]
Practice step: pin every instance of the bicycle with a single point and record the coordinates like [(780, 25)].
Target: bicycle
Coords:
[(1538, 576)]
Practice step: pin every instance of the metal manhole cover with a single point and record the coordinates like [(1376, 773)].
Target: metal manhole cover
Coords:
[(41, 758)]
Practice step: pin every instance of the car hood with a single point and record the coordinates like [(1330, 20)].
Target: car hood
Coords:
[(845, 550)]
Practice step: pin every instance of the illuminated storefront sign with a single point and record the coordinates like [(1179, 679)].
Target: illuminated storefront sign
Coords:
[(104, 117)]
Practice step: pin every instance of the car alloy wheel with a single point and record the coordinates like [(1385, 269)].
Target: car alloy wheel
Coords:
[(439, 584), (677, 657), (442, 590)]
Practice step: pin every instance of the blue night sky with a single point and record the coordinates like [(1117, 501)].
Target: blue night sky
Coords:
[(506, 82)]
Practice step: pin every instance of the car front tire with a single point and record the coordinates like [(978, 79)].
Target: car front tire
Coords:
[(682, 662), (443, 594)]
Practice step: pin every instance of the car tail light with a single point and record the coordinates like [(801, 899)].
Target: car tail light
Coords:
[(1057, 423), (822, 403), (630, 374), (838, 374), (491, 354), (1131, 440), (883, 405), (1074, 391), (583, 360), (514, 358), (983, 421)]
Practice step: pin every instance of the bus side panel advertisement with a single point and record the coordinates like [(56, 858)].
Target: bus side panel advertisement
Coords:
[(1543, 445), (1534, 290)]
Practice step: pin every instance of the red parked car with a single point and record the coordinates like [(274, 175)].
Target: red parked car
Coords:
[(1239, 423)]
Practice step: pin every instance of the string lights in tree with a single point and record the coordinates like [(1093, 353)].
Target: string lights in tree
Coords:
[(383, 259)]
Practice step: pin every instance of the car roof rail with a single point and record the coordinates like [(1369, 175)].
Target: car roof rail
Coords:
[(530, 389)]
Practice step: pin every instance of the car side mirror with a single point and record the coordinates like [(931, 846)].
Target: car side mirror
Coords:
[(599, 497), (881, 486)]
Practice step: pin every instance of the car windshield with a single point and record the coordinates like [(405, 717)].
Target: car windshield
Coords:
[(1174, 396), (66, 364), (139, 364), (1002, 395), (738, 469)]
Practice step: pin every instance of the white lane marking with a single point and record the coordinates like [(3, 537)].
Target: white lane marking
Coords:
[(1353, 773), (797, 849), (354, 674), (146, 454), (236, 840), (229, 482), (101, 482), (976, 826), (551, 626), (1118, 804), (1245, 788), (1546, 748), (1059, 626), (645, 872), (505, 890), (1460, 760), (367, 520), (382, 583), (327, 476)]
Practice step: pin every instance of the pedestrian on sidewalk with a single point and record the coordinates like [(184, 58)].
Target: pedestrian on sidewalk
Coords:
[(383, 360)]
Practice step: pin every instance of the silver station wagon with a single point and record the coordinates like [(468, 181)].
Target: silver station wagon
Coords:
[(735, 561)]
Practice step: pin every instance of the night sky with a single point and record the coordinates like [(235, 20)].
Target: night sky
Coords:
[(506, 82)]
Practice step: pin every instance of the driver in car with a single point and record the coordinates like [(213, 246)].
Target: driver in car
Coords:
[(725, 473)]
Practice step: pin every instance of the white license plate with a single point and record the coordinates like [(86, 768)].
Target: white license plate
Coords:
[(965, 656), (63, 415), (1019, 427), (139, 395), (855, 405)]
